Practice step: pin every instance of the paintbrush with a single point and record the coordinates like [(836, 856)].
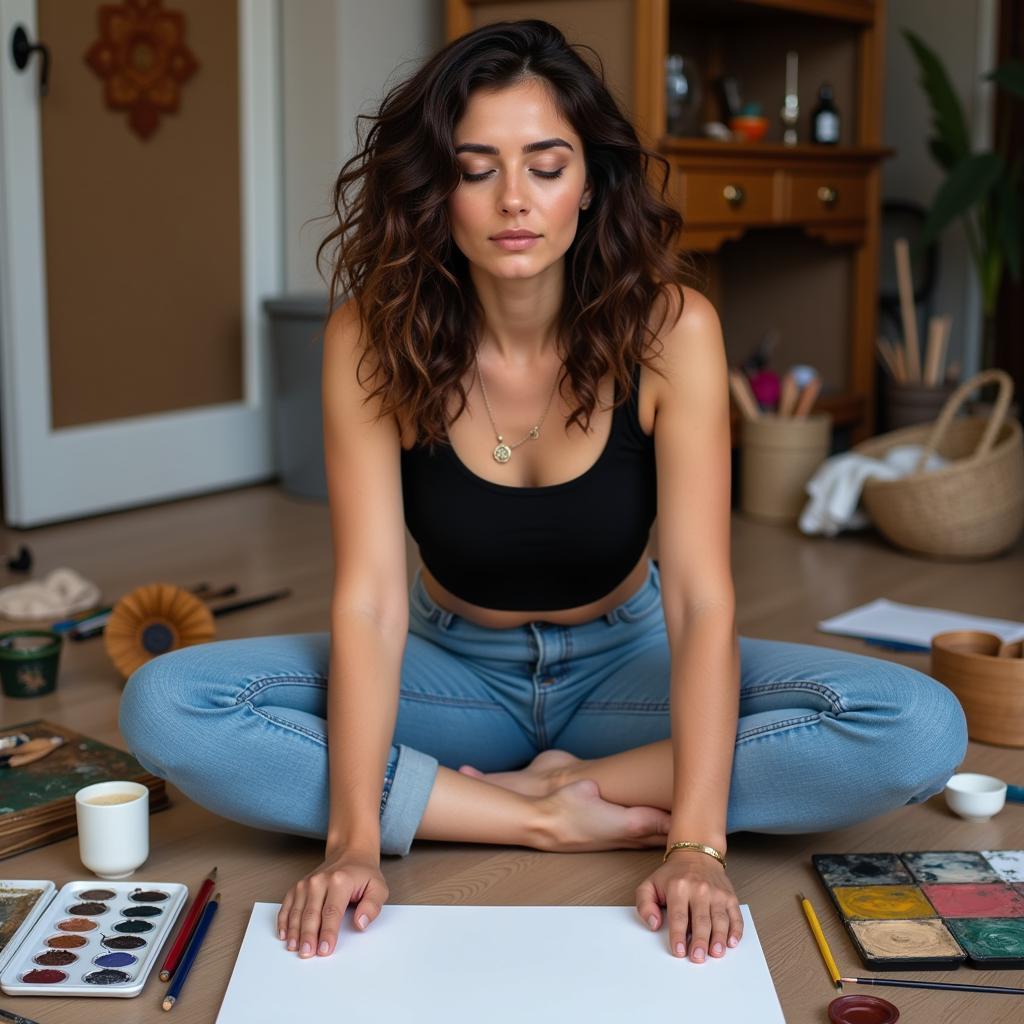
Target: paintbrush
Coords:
[(34, 750), (16, 1018), (952, 985)]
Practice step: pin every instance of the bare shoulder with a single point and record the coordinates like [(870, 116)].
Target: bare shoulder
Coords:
[(691, 344)]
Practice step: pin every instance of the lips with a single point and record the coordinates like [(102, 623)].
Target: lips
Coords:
[(515, 234)]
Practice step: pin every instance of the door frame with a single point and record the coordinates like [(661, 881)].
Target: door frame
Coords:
[(49, 475)]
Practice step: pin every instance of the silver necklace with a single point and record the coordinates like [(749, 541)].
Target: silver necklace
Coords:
[(502, 451)]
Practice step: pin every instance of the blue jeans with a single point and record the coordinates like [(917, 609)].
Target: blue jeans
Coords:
[(825, 738)]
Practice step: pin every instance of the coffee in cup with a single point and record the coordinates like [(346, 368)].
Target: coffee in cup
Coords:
[(113, 828)]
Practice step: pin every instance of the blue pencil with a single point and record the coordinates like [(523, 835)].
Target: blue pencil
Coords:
[(190, 954), (894, 645)]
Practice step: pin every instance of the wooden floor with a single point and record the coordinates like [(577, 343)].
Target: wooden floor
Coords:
[(262, 539)]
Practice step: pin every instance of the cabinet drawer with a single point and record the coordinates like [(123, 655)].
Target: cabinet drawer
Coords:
[(820, 196), (722, 197)]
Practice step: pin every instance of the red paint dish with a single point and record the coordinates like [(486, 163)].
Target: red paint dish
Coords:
[(862, 1010), (973, 899)]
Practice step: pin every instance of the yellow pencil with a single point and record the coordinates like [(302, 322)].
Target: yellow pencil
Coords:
[(819, 937)]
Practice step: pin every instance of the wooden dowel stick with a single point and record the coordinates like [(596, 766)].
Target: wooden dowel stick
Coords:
[(886, 357), (901, 363), (907, 310), (743, 396), (788, 394), (807, 399)]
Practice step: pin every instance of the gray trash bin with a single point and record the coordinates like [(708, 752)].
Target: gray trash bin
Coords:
[(296, 341)]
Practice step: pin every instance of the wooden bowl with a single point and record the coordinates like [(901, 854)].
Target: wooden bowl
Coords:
[(988, 684)]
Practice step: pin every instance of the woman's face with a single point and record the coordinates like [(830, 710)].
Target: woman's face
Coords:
[(504, 188)]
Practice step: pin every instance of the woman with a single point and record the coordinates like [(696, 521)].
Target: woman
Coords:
[(544, 382)]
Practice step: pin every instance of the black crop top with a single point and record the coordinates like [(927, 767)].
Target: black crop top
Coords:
[(518, 548)]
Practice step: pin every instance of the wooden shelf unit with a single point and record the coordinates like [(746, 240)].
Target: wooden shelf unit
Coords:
[(816, 206)]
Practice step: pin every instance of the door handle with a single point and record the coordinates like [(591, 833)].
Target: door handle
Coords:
[(22, 50)]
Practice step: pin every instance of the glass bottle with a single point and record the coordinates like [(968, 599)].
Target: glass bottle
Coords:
[(825, 117)]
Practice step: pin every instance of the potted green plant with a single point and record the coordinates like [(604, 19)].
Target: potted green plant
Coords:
[(983, 188)]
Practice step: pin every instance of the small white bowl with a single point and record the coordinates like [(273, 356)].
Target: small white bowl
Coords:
[(975, 797)]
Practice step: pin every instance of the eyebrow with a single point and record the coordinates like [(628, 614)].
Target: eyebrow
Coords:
[(530, 147)]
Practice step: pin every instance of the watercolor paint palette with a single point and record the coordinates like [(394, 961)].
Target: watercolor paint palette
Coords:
[(930, 909), (21, 903), (95, 938)]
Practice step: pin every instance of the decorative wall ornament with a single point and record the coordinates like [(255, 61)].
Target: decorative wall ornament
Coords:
[(142, 58)]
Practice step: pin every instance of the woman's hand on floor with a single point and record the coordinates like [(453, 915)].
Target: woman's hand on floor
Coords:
[(314, 907), (699, 897)]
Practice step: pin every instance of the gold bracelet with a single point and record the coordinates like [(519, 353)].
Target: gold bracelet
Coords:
[(709, 850)]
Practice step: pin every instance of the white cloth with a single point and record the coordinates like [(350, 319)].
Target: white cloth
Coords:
[(62, 592), (836, 486)]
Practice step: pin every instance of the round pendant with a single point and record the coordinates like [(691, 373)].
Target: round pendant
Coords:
[(502, 453)]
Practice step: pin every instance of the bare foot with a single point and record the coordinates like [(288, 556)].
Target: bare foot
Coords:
[(541, 777), (578, 819)]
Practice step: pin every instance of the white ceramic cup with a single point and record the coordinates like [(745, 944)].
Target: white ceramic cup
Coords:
[(975, 797), (113, 838)]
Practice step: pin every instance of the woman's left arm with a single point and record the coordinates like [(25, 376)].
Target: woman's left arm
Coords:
[(692, 446)]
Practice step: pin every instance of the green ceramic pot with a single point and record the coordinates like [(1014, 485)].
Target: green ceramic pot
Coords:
[(28, 662)]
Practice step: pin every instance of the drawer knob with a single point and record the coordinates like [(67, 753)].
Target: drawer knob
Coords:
[(828, 195), (734, 195)]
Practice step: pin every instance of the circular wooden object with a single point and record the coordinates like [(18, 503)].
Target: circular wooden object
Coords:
[(987, 680), (154, 619)]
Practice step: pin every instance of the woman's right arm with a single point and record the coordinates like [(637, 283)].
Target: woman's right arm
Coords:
[(369, 625)]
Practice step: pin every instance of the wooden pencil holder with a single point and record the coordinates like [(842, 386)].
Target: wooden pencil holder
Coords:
[(778, 455), (987, 677)]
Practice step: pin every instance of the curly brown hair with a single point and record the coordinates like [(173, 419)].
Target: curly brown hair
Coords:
[(393, 251)]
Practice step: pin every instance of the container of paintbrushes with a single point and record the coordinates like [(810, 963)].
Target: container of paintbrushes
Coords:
[(987, 676), (778, 455)]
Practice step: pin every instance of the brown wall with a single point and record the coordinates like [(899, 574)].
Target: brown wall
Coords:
[(143, 236)]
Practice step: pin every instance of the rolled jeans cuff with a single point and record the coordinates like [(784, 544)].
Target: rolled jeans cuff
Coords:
[(407, 801)]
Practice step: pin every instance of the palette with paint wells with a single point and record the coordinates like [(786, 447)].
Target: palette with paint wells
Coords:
[(930, 909), (95, 939), (21, 903)]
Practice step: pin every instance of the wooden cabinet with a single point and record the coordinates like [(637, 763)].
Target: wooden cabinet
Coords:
[(787, 234)]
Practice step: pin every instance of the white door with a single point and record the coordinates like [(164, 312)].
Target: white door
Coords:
[(55, 474)]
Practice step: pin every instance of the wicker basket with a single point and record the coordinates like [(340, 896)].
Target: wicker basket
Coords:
[(973, 508)]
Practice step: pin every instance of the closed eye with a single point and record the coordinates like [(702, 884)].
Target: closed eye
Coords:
[(466, 176)]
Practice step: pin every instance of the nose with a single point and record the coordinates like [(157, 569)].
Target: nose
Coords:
[(512, 196)]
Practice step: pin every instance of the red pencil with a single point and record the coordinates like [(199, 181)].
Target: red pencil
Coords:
[(187, 927)]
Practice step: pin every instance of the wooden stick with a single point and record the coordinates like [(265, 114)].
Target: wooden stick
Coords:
[(901, 362), (788, 394), (907, 311), (930, 350), (807, 399), (945, 323), (886, 357), (743, 396)]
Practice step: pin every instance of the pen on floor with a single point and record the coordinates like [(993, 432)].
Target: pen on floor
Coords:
[(190, 954), (819, 938), (188, 926), (15, 1018), (954, 985), (894, 645)]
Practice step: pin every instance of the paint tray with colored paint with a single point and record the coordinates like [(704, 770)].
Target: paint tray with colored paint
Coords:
[(21, 903), (95, 938), (930, 909)]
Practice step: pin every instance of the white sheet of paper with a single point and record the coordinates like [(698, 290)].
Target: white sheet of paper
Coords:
[(914, 624), (502, 965)]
